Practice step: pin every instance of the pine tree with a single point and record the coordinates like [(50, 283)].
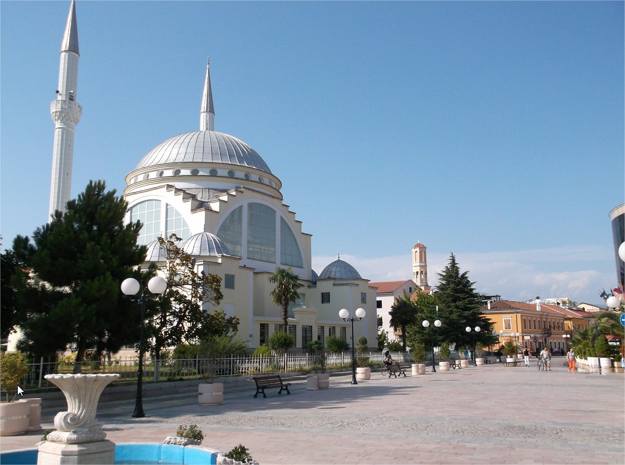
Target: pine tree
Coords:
[(77, 262), (459, 306)]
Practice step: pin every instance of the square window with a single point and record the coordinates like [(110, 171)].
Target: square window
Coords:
[(378, 304), (229, 281), (363, 297), (507, 323), (325, 297)]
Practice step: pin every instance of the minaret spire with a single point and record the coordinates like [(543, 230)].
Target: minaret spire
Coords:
[(65, 113), (207, 111)]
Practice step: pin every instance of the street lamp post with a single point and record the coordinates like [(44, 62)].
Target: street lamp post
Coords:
[(345, 315), (566, 337), (426, 324), (130, 287), (475, 330)]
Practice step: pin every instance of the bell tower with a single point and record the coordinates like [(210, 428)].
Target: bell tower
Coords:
[(420, 266)]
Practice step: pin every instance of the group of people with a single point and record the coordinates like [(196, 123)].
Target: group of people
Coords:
[(544, 357)]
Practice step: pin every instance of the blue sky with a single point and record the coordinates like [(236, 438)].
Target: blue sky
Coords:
[(491, 129)]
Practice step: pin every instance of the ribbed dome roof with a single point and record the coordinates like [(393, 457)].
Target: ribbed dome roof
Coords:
[(339, 269), (204, 147), (204, 244), (156, 252)]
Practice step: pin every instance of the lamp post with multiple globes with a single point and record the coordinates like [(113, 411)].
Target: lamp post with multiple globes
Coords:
[(130, 287), (426, 325), (475, 331), (345, 315)]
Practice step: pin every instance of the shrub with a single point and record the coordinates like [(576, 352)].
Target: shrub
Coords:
[(444, 351), (509, 349), (316, 348), (220, 346), (395, 346), (334, 344), (186, 351), (382, 339), (240, 453), (281, 341), (363, 344), (602, 348), (362, 361), (190, 432), (12, 369), (417, 352), (262, 351)]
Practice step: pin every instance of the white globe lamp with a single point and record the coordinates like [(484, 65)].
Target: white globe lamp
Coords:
[(157, 285), (612, 302), (477, 329), (425, 323), (343, 313), (468, 329), (360, 313), (437, 323), (130, 286)]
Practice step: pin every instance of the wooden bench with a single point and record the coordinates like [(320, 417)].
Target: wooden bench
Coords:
[(270, 381)]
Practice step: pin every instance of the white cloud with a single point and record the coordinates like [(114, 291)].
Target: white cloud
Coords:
[(575, 272)]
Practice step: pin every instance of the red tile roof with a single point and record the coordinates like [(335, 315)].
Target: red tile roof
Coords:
[(546, 308), (388, 287)]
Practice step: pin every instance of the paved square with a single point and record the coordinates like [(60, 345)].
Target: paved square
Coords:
[(490, 414)]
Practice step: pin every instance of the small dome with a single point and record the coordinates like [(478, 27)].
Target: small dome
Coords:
[(315, 276), (204, 147), (156, 252), (204, 244), (339, 269)]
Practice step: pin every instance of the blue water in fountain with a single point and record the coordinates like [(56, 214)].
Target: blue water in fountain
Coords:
[(127, 454)]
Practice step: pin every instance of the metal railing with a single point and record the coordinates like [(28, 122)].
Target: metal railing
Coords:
[(198, 367)]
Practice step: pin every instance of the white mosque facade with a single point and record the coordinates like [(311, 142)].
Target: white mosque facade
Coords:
[(221, 198)]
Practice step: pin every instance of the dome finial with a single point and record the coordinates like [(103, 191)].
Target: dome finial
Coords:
[(207, 111)]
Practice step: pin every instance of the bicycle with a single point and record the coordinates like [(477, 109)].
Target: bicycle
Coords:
[(541, 364)]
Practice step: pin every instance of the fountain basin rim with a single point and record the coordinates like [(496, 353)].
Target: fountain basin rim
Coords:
[(83, 376)]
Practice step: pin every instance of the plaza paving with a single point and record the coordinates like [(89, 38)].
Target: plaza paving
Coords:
[(486, 415)]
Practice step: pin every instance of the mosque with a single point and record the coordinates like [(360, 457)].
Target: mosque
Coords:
[(219, 195)]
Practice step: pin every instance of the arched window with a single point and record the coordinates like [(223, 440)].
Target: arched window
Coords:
[(261, 233), (175, 223), (289, 250), (231, 231), (149, 214)]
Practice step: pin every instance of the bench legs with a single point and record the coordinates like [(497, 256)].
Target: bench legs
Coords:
[(260, 391)]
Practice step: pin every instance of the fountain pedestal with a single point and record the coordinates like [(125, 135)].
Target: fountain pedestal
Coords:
[(78, 439)]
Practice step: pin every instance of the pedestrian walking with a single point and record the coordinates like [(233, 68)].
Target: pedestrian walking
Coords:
[(545, 355), (570, 358), (526, 357)]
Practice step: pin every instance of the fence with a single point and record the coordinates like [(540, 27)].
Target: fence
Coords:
[(194, 368)]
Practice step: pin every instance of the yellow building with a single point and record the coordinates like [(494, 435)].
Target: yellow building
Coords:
[(534, 325)]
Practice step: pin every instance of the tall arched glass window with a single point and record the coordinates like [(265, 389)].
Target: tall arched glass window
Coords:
[(175, 223), (231, 231), (261, 233), (289, 250), (149, 213)]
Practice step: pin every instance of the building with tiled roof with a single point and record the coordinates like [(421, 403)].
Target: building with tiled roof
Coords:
[(535, 325), (386, 294)]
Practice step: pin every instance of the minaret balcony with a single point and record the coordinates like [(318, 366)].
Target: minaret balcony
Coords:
[(65, 111)]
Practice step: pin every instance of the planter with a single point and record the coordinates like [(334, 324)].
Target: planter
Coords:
[(618, 368), (34, 423), (417, 369), (312, 382), (14, 418), (363, 373), (211, 393), (443, 366), (323, 380), (606, 365), (593, 364), (464, 364), (479, 361), (510, 361)]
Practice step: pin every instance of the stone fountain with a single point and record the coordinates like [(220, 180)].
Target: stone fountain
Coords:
[(78, 438)]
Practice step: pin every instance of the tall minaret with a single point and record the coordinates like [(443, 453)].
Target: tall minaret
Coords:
[(420, 266), (65, 113), (207, 111)]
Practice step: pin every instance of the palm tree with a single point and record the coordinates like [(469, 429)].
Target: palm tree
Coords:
[(285, 291), (403, 312), (608, 323)]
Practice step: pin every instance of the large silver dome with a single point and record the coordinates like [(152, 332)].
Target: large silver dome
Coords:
[(204, 244), (204, 147), (339, 269)]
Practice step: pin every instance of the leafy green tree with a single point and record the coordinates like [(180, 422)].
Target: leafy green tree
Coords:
[(602, 348), (13, 277), (382, 339), (13, 368), (78, 261), (460, 306), (403, 313), (180, 314), (285, 291), (425, 309)]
